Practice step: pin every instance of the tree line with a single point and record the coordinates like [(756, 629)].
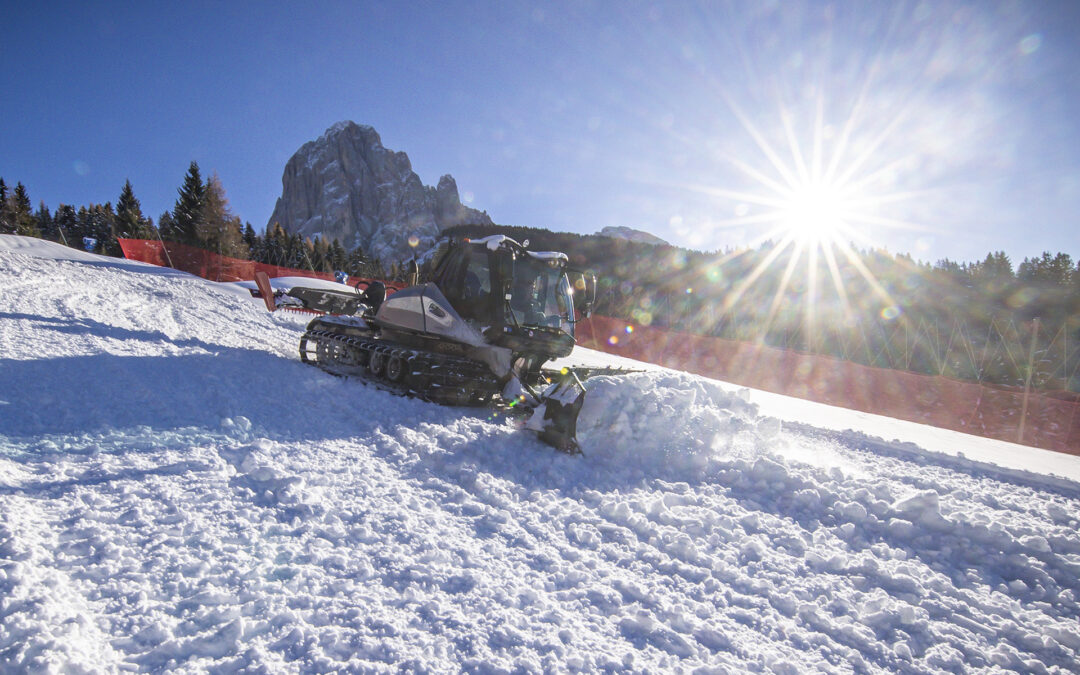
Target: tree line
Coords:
[(985, 321), (200, 217)]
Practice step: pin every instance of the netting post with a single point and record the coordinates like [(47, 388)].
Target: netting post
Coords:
[(164, 247), (1027, 380)]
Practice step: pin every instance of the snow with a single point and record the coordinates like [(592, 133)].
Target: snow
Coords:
[(548, 255), (495, 241), (630, 234), (959, 450), (179, 493)]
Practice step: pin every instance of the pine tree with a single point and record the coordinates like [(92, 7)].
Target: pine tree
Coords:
[(167, 227), (219, 230), (130, 221), (251, 240), (99, 224), (188, 212), (43, 220), (22, 212), (994, 274), (297, 255), (320, 255), (338, 256), (81, 229), (275, 247), (214, 213), (111, 243), (7, 223), (257, 248), (1047, 270), (354, 263), (1061, 269), (1002, 265)]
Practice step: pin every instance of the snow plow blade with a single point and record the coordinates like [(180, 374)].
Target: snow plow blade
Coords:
[(555, 418)]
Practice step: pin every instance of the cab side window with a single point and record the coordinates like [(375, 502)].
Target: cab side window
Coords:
[(473, 291)]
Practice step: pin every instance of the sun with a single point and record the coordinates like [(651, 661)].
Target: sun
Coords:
[(811, 192), (814, 212)]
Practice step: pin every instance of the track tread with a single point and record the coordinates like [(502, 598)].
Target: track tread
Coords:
[(438, 378)]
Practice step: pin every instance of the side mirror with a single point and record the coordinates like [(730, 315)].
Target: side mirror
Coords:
[(585, 288), (590, 286)]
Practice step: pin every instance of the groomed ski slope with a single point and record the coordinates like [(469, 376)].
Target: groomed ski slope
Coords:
[(178, 492)]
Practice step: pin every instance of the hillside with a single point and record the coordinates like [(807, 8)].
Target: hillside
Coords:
[(178, 492), (980, 322)]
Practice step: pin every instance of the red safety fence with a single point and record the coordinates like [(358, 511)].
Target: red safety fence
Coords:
[(210, 265), (1049, 420)]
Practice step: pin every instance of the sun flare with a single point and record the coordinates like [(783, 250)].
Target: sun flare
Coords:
[(813, 213), (811, 209)]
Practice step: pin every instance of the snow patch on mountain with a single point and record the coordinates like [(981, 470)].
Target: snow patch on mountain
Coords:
[(631, 234)]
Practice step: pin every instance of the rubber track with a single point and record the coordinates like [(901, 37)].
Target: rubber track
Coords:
[(439, 378)]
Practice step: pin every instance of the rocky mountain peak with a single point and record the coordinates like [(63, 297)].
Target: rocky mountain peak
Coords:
[(346, 185)]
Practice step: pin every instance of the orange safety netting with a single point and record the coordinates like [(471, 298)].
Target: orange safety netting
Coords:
[(210, 265), (1049, 420)]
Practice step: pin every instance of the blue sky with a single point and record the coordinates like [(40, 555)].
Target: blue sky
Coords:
[(941, 129)]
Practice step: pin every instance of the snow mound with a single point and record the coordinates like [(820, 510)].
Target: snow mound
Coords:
[(663, 422)]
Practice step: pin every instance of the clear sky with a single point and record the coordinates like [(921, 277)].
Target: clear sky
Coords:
[(942, 129)]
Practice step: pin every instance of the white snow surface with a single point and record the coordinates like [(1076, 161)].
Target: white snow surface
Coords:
[(179, 493)]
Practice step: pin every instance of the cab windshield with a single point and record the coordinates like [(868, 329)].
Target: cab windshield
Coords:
[(541, 295)]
